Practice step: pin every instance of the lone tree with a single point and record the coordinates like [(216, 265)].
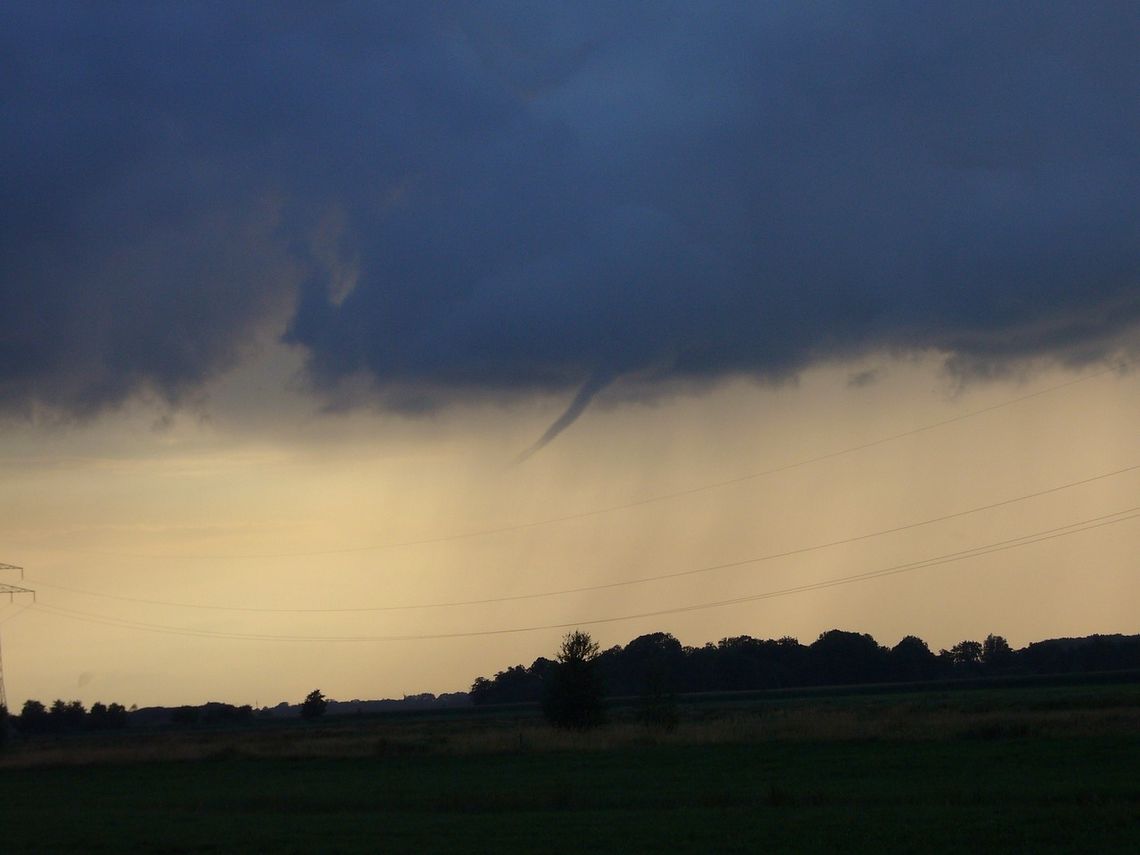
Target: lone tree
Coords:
[(314, 705), (572, 695)]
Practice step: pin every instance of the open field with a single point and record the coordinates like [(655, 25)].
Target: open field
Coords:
[(1042, 769)]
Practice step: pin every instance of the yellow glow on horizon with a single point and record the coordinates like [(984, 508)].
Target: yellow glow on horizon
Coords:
[(311, 516)]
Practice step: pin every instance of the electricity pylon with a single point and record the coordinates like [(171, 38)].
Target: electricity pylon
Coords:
[(11, 591), (3, 696)]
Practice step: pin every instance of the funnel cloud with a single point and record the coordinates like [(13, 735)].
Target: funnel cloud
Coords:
[(581, 400)]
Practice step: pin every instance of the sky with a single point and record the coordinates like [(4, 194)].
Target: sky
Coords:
[(373, 347)]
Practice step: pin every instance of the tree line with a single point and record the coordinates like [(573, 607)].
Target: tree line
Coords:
[(658, 664), (655, 668), (68, 717)]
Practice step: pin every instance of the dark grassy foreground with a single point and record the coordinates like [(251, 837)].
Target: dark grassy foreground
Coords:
[(992, 771)]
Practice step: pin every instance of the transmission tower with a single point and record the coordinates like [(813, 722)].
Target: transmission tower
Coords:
[(3, 696), (11, 591)]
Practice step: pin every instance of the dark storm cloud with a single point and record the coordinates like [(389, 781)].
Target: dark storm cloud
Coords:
[(502, 198)]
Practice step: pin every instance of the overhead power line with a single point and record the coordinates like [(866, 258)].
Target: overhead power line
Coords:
[(648, 500), (897, 569), (605, 585)]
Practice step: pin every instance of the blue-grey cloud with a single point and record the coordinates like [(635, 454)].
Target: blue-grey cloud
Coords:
[(461, 199)]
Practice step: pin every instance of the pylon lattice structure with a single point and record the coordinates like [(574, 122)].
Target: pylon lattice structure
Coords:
[(11, 591), (3, 696)]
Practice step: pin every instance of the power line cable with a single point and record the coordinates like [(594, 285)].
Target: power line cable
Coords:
[(19, 611), (648, 500), (935, 561), (605, 585)]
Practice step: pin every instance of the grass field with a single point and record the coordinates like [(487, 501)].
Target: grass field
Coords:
[(1046, 769)]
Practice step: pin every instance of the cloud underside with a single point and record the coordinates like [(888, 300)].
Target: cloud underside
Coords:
[(485, 199)]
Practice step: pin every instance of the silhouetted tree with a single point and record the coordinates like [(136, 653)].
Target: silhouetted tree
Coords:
[(314, 705), (789, 661), (116, 716), (701, 668), (57, 713), (967, 655), (911, 659), (997, 655), (612, 671), (33, 717), (64, 716), (514, 685), (104, 717), (539, 670), (572, 696), (740, 663), (839, 657), (3, 726), (97, 716), (480, 691), (651, 665), (215, 712)]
